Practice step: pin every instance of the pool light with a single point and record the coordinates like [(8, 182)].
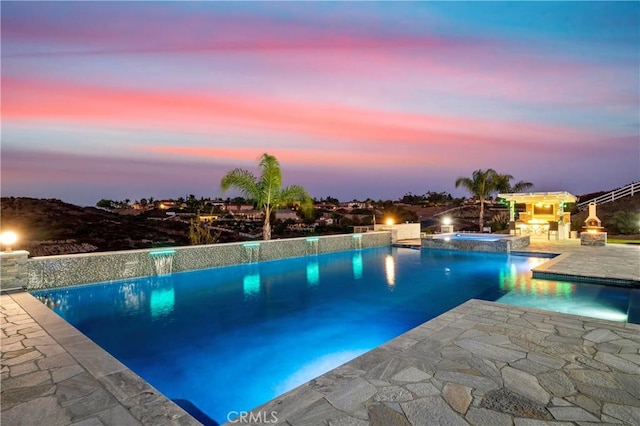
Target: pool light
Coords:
[(161, 252), (7, 239)]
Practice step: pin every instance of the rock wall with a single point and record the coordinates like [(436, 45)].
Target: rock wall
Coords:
[(13, 269)]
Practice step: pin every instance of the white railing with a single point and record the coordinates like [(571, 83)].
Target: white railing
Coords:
[(625, 191)]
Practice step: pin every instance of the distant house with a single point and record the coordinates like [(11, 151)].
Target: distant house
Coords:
[(286, 215), (326, 219), (165, 204), (247, 214), (351, 205), (208, 217), (326, 206), (234, 208), (216, 204)]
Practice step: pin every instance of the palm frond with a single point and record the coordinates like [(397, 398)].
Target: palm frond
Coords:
[(270, 180), (242, 180), (521, 186), (299, 195)]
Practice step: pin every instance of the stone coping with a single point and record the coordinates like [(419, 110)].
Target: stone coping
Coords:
[(617, 265), (53, 374)]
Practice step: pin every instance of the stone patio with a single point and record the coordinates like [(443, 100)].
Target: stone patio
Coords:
[(480, 363), (53, 375), (612, 264)]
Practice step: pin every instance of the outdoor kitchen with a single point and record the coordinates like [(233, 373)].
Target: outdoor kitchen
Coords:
[(540, 214)]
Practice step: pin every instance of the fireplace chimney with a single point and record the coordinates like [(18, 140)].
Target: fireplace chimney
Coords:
[(592, 222)]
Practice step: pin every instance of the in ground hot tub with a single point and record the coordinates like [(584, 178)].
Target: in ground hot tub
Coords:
[(476, 242)]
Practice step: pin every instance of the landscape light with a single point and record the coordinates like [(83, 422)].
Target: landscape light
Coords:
[(446, 220), (389, 221), (7, 239)]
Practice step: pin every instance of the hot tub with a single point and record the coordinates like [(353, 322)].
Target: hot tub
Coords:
[(500, 243)]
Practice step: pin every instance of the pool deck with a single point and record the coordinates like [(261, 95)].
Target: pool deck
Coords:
[(479, 363)]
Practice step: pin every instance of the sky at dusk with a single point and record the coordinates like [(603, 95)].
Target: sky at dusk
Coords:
[(137, 99)]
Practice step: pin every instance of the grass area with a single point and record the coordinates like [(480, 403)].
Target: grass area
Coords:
[(616, 240)]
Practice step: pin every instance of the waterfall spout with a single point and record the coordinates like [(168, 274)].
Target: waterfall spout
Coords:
[(162, 261), (252, 252), (312, 245)]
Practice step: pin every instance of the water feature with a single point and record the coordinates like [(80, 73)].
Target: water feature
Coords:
[(162, 261), (357, 242), (251, 252), (312, 245)]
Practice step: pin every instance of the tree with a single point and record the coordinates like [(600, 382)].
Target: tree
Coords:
[(105, 204), (504, 184), (480, 185), (267, 191), (192, 202), (200, 233), (332, 200)]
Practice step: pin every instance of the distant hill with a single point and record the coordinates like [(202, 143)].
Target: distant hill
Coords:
[(49, 226)]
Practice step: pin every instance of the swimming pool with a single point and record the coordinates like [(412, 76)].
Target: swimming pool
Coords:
[(229, 339)]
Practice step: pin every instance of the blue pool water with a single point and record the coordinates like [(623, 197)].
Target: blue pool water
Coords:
[(230, 339)]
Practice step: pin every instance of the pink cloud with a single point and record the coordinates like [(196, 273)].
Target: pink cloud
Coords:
[(210, 32), (27, 99), (485, 67)]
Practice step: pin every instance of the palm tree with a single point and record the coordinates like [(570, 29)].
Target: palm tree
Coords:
[(504, 184), (480, 185), (267, 191)]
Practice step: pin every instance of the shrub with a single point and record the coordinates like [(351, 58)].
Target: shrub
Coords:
[(499, 221), (199, 233), (576, 224), (625, 222)]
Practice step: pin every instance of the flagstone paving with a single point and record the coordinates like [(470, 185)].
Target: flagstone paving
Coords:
[(613, 263), (51, 374), (481, 363)]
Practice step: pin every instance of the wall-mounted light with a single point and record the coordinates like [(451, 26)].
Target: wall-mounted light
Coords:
[(7, 239), (446, 220)]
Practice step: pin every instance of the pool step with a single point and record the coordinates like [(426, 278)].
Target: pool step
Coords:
[(413, 243), (633, 313)]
